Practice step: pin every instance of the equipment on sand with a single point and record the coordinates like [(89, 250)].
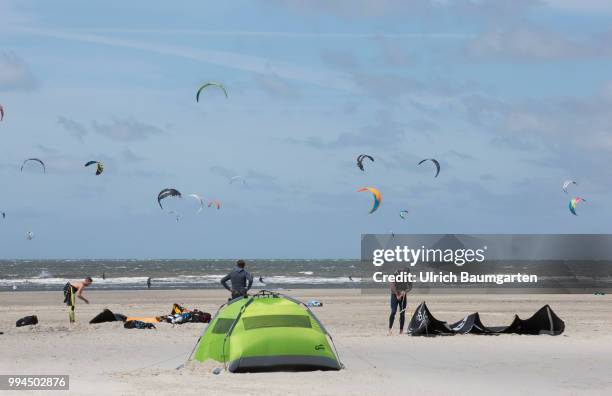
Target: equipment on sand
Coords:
[(138, 324), (107, 316), (27, 321), (544, 321), (266, 332), (314, 303), (147, 319)]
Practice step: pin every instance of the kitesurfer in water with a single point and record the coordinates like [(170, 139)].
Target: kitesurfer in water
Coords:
[(149, 282), (73, 290), (241, 280)]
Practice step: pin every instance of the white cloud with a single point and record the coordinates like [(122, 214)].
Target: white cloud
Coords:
[(76, 129), (586, 6), (15, 74), (126, 130), (534, 44), (233, 60), (275, 86), (484, 10), (11, 15)]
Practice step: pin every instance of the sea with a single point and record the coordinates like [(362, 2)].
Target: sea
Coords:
[(30, 275)]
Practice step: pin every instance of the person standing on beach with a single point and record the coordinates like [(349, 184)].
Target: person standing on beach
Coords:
[(241, 280), (73, 290), (149, 282), (399, 300)]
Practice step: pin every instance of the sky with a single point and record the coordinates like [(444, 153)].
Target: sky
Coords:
[(512, 98)]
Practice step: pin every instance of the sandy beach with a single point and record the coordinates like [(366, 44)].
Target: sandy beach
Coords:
[(106, 358)]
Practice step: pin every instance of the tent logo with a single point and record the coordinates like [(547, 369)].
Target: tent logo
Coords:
[(319, 347)]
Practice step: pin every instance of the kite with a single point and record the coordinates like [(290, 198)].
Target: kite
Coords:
[(167, 192), (200, 200), (403, 213), (360, 159), (236, 178), (1, 113), (573, 203), (3, 215), (99, 167), (436, 163), (34, 160), (29, 235), (215, 203), (566, 184), (211, 84), (376, 194)]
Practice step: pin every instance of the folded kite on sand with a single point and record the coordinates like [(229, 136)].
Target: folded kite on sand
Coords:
[(107, 316), (544, 321)]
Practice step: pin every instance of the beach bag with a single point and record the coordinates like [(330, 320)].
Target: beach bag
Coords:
[(198, 316), (27, 321), (137, 324)]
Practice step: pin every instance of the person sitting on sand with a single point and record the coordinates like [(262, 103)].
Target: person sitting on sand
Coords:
[(398, 299), (75, 289), (241, 280)]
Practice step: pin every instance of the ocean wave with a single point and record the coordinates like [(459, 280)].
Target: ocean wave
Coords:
[(308, 280), (44, 274), (176, 280)]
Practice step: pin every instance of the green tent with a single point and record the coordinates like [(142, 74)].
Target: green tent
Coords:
[(264, 332)]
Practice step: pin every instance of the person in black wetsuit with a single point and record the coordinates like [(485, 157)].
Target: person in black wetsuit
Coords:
[(241, 280), (399, 300), (73, 290)]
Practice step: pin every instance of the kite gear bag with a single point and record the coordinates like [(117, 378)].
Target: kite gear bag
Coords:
[(27, 321)]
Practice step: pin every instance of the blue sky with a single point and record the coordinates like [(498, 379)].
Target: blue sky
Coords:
[(511, 97)]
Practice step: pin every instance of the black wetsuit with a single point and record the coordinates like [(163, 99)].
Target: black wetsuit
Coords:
[(241, 282), (70, 299), (69, 292), (403, 288), (395, 303)]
